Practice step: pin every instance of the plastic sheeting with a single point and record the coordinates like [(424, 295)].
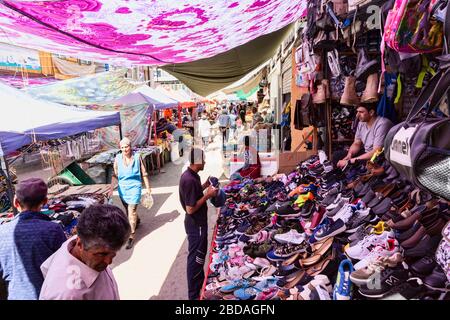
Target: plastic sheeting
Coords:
[(26, 120)]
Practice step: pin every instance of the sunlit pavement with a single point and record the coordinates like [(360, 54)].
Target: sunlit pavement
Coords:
[(155, 268)]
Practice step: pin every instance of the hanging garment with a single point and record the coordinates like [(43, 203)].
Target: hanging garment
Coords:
[(386, 106)]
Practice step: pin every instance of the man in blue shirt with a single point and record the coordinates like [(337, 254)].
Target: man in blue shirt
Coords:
[(224, 124), (27, 241)]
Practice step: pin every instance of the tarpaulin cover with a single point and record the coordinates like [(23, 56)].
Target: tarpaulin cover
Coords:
[(146, 95), (212, 74), (135, 124), (181, 96), (149, 32), (25, 120), (87, 90)]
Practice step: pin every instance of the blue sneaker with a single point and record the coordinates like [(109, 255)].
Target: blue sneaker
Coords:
[(343, 287)]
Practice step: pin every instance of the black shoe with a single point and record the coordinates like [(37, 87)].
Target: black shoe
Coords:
[(424, 266), (437, 280), (129, 244), (390, 281), (426, 245)]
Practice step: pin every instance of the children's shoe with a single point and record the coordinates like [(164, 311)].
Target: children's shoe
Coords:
[(343, 287)]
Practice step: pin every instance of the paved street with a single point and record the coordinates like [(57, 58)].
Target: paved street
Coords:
[(155, 268)]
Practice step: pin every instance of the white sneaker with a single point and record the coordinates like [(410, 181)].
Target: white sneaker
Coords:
[(334, 208), (365, 246), (388, 249), (293, 236), (344, 214)]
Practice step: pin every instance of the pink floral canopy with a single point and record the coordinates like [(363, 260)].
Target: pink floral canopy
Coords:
[(148, 32)]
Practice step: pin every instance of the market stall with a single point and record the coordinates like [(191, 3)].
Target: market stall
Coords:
[(28, 122)]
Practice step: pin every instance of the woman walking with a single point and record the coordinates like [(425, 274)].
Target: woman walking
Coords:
[(130, 171)]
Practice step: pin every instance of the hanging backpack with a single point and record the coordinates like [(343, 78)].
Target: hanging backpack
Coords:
[(419, 148), (409, 27)]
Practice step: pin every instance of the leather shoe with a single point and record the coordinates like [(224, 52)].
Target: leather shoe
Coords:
[(437, 279), (415, 238), (424, 266)]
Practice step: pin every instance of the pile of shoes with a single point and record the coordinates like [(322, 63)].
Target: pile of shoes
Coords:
[(321, 233), (65, 210), (343, 123)]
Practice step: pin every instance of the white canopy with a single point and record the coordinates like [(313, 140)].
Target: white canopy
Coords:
[(25, 120)]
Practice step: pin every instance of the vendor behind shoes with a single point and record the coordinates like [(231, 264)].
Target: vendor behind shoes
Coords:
[(369, 137), (79, 270), (27, 241)]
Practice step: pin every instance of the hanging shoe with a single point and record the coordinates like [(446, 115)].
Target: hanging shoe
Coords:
[(365, 66), (349, 97), (370, 94)]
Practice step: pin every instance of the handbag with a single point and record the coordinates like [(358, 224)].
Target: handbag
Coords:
[(419, 148)]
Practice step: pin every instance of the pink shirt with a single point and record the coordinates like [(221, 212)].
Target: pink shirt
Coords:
[(67, 278)]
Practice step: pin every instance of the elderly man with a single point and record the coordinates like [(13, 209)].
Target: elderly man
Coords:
[(79, 270), (27, 241)]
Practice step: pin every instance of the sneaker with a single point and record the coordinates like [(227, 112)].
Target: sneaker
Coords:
[(343, 287), (356, 220), (365, 246), (336, 208), (330, 230), (364, 231), (345, 213), (285, 251), (293, 236), (385, 283), (363, 276), (387, 250)]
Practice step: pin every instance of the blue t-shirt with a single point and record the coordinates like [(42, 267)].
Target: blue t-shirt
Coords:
[(25, 243)]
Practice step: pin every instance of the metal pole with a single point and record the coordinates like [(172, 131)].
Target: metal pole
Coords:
[(120, 132), (5, 168)]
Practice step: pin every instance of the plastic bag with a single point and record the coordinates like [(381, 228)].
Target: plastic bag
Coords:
[(147, 200)]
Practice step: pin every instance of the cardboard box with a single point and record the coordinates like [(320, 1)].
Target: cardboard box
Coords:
[(289, 160)]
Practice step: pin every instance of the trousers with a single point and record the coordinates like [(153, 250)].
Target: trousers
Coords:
[(197, 236)]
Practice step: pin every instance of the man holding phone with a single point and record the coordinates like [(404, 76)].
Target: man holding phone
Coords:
[(194, 204)]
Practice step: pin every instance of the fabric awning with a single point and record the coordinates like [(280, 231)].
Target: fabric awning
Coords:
[(183, 99), (140, 32), (92, 89), (248, 83), (212, 74), (26, 120), (145, 95)]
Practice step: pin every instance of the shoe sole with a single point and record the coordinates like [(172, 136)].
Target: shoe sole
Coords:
[(379, 296), (359, 282), (437, 289)]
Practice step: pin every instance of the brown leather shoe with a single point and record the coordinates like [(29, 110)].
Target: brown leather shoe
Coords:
[(429, 216), (405, 224), (436, 227), (415, 238)]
